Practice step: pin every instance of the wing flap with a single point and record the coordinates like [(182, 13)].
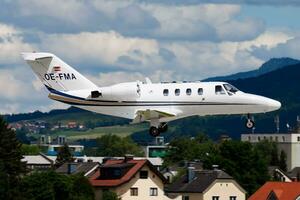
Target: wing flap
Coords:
[(144, 115)]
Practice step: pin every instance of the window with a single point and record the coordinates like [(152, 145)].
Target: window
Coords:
[(258, 138), (143, 174), (283, 138), (153, 192), (232, 198), (166, 92), (215, 198), (177, 92), (298, 138), (185, 197), (188, 91), (134, 192), (200, 91), (230, 88), (219, 90)]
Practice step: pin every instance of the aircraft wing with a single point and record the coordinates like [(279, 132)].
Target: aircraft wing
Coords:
[(145, 115)]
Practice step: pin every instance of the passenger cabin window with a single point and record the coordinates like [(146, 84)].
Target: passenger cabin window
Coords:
[(200, 91), (177, 92), (166, 92), (219, 90), (188, 91)]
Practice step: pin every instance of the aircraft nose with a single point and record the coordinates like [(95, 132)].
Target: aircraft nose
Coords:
[(273, 104)]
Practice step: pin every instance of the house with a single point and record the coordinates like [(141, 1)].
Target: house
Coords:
[(294, 174), (72, 125), (206, 185), (37, 162), (277, 191), (277, 174), (171, 171), (86, 168), (130, 179)]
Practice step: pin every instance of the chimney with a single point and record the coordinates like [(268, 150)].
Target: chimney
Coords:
[(128, 157), (71, 168), (190, 174)]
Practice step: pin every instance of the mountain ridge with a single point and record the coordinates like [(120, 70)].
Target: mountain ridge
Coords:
[(271, 65)]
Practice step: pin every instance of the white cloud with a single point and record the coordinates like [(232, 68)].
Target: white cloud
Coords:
[(11, 45), (110, 78), (268, 39), (99, 48), (59, 10), (240, 30), (291, 48), (129, 40)]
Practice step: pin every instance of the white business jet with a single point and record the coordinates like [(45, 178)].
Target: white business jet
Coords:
[(157, 103)]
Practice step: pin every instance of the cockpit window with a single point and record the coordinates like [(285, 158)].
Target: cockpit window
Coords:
[(219, 90), (230, 88)]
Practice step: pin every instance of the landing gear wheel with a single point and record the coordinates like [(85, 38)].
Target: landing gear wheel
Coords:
[(154, 131), (163, 127), (250, 124)]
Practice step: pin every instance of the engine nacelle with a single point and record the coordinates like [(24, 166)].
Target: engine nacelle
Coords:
[(119, 92)]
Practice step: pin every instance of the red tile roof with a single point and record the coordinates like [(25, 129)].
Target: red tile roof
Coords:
[(282, 190), (138, 164)]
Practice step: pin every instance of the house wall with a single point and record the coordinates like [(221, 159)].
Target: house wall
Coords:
[(143, 186), (224, 189), (192, 196)]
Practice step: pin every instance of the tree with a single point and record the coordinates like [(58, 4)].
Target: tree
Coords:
[(243, 161), (11, 166), (109, 195), (82, 189), (282, 161), (64, 155), (269, 151), (51, 185), (112, 145), (30, 149), (21, 136)]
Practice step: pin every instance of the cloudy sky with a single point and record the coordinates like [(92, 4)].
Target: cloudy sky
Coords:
[(127, 40)]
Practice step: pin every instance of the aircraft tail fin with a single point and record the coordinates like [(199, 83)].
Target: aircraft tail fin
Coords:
[(55, 73)]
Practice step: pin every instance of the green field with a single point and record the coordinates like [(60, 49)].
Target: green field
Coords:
[(122, 131)]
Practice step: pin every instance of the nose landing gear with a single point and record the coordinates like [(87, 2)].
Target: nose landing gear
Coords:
[(249, 123)]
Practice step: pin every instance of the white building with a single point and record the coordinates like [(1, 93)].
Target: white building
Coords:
[(205, 185), (288, 142)]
